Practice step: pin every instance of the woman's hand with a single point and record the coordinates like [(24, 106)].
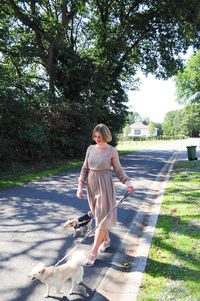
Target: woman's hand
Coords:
[(80, 192), (129, 186)]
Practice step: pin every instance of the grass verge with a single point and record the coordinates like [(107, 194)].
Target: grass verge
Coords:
[(22, 173), (135, 145), (173, 265)]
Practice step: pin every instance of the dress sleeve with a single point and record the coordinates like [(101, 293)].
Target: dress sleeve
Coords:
[(84, 170), (119, 171)]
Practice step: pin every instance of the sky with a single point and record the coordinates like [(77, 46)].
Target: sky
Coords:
[(155, 97)]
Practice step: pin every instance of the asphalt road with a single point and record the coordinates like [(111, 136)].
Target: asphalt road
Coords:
[(32, 216)]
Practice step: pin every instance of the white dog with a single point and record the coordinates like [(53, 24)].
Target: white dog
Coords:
[(56, 276)]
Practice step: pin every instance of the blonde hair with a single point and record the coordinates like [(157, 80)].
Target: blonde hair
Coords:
[(104, 132)]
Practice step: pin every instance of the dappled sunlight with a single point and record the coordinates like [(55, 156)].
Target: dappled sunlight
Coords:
[(173, 261), (32, 219), (168, 268), (33, 215), (172, 224)]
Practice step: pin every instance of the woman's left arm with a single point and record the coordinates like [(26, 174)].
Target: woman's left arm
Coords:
[(119, 171), (130, 187)]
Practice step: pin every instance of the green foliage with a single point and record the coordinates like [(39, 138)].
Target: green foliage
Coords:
[(22, 137), (66, 66), (126, 130), (188, 81), (191, 120), (172, 123), (134, 117), (173, 260), (149, 34), (151, 127), (158, 125), (183, 122), (146, 120)]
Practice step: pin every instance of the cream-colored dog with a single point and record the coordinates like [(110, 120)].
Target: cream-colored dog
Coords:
[(56, 276)]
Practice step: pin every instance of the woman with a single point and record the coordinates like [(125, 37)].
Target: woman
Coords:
[(96, 172)]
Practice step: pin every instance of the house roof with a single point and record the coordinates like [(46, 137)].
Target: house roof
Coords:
[(138, 126)]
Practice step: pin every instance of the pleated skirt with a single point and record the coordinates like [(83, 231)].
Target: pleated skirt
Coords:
[(101, 197)]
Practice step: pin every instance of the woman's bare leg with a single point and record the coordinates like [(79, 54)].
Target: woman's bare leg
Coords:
[(106, 236), (100, 235), (98, 238)]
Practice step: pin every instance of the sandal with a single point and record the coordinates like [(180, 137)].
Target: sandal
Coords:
[(104, 245), (91, 260)]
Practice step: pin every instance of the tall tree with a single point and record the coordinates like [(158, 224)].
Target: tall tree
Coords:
[(150, 34), (190, 123), (74, 59), (183, 122), (118, 35), (171, 125), (151, 127), (158, 125), (133, 117), (188, 81)]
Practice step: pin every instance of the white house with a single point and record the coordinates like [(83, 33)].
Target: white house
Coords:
[(140, 130)]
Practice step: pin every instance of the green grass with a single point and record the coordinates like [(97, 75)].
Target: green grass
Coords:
[(173, 265), (135, 145), (23, 173)]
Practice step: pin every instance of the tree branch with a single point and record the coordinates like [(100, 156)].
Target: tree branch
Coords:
[(24, 19)]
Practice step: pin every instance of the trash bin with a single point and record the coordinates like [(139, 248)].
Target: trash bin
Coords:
[(191, 151)]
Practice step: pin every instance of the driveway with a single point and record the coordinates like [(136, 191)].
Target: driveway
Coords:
[(32, 216)]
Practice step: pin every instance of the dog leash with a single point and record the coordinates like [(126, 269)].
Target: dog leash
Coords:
[(88, 234)]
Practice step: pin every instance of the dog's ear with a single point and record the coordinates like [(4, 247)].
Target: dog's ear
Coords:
[(66, 224), (89, 213), (42, 270)]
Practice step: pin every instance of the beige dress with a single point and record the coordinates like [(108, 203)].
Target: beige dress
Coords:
[(96, 173)]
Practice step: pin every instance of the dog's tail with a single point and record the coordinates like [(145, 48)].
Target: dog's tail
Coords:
[(78, 258)]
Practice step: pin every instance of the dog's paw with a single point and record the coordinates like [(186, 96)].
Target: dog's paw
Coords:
[(70, 292), (79, 282)]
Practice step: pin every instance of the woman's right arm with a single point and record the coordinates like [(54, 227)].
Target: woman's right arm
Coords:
[(80, 191)]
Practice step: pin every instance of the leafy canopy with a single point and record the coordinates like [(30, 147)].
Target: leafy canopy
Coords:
[(183, 122), (188, 81), (67, 65)]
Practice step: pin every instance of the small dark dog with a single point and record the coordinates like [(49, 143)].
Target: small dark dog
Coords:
[(79, 223)]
